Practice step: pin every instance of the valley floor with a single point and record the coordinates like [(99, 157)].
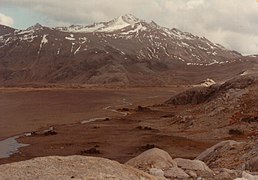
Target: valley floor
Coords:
[(119, 124), (32, 109)]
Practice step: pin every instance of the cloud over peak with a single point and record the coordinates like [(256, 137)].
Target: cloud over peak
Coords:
[(6, 20)]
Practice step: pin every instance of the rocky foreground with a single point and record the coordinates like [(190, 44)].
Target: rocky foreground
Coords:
[(151, 164)]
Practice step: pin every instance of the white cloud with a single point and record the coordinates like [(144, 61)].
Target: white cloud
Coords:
[(194, 3), (233, 23), (6, 20)]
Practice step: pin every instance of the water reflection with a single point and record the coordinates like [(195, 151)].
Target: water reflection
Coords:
[(10, 146)]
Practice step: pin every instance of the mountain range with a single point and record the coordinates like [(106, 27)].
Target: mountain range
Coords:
[(123, 51)]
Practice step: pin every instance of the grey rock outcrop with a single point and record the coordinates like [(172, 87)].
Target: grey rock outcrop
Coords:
[(152, 158)]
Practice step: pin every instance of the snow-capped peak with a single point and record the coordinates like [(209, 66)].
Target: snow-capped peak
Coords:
[(110, 26), (35, 27), (120, 23), (129, 18)]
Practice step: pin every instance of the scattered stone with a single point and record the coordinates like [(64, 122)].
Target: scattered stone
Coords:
[(250, 119), (236, 132), (30, 134), (195, 165), (142, 109), (223, 175), (208, 82), (90, 151), (47, 132), (144, 128), (176, 172), (168, 116), (147, 147)]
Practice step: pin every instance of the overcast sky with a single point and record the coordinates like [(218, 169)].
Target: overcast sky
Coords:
[(232, 23)]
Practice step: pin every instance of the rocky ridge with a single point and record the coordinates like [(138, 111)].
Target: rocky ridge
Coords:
[(125, 50)]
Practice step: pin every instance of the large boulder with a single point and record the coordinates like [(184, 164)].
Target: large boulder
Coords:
[(152, 158), (71, 167)]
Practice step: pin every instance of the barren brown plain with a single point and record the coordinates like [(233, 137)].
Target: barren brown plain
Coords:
[(120, 138)]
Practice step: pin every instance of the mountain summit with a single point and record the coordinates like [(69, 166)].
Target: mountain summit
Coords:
[(110, 26), (125, 50)]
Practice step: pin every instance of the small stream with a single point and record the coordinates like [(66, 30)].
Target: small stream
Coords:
[(112, 109), (10, 146)]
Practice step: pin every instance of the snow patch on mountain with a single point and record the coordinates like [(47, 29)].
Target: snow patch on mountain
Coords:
[(43, 41), (77, 50), (70, 38), (117, 24), (136, 30), (28, 37)]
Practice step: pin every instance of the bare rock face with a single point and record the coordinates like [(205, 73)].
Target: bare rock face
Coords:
[(5, 30), (193, 96), (71, 167), (232, 155), (207, 93), (208, 153), (152, 158)]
